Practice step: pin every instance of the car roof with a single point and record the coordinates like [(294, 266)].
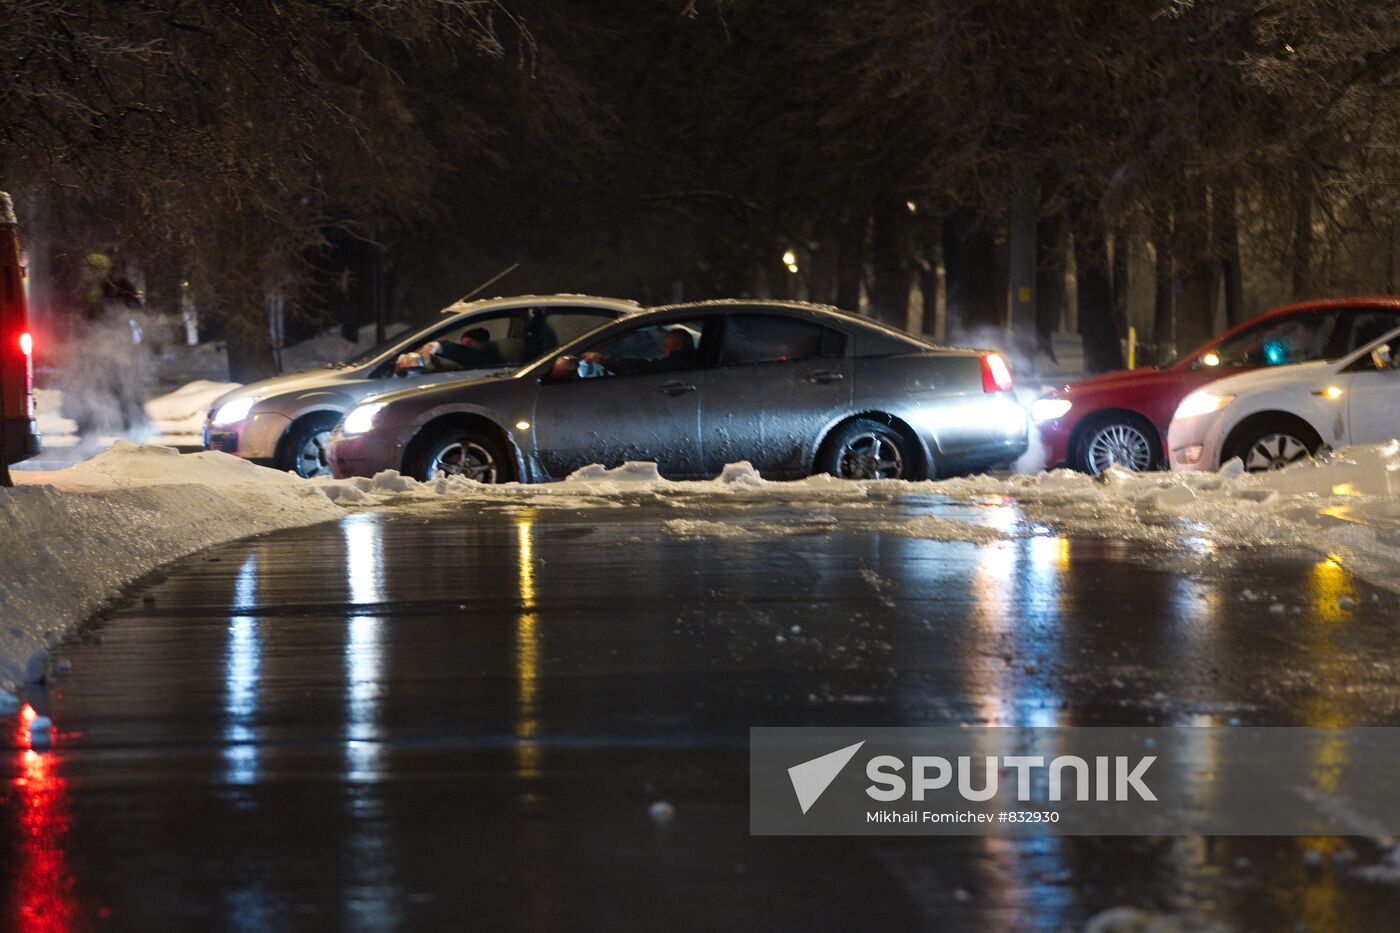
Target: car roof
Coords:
[(624, 305), (1321, 304), (831, 311)]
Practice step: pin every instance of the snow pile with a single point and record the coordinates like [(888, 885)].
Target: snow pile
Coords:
[(182, 412), (1347, 508), (73, 538)]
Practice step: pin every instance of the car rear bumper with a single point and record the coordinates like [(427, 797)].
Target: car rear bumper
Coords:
[(22, 439)]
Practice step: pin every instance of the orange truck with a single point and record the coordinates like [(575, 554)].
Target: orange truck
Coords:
[(19, 433)]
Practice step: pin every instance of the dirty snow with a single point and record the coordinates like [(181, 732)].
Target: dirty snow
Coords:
[(73, 538), (79, 535)]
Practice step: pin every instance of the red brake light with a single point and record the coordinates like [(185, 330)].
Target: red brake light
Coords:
[(26, 344), (996, 375)]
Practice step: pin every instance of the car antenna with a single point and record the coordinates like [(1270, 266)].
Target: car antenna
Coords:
[(489, 282)]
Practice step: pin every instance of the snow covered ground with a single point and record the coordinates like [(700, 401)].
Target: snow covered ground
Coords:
[(75, 537)]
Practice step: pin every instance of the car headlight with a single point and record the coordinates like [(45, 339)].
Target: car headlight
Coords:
[(1048, 409), (234, 411), (1202, 402), (361, 418)]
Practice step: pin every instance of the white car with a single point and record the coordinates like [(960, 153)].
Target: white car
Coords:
[(1269, 418)]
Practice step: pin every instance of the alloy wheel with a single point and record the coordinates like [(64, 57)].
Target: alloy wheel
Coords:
[(1121, 445), (311, 459), (465, 458), (871, 456), (1274, 452)]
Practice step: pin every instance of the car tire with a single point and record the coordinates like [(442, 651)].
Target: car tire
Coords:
[(866, 449), (1272, 444), (1122, 440), (461, 451), (303, 447)]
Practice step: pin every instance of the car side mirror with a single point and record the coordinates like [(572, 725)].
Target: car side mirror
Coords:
[(1383, 359)]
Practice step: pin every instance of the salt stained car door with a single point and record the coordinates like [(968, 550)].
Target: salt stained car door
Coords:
[(639, 402), (777, 383), (1373, 398)]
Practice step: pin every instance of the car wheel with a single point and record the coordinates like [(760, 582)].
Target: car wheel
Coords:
[(304, 447), (463, 452), (865, 449), (1275, 445), (1124, 442)]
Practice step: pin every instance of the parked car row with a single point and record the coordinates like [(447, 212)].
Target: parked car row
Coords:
[(1242, 395), (532, 388), (559, 382)]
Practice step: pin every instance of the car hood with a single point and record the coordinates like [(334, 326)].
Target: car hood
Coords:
[(1120, 379), (438, 393), (288, 382), (1273, 377)]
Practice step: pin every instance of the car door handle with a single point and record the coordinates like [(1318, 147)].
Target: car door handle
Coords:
[(826, 376), (677, 388)]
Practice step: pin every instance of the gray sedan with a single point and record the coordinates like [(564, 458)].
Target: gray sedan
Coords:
[(792, 388)]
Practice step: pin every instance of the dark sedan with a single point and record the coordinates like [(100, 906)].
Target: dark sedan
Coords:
[(794, 389)]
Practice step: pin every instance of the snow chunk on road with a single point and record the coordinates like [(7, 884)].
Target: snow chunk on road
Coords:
[(73, 538)]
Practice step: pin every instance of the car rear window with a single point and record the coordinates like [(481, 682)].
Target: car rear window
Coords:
[(775, 338)]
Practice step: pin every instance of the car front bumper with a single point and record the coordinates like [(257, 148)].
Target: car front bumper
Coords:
[(364, 454), (1194, 443), (254, 438)]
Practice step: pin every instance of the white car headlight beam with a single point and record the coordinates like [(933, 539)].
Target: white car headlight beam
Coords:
[(1202, 402), (234, 411), (1048, 409), (361, 418)]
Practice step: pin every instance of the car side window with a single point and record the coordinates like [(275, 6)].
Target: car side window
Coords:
[(658, 348), (505, 337), (775, 338), (1294, 339), (1368, 325), (565, 325)]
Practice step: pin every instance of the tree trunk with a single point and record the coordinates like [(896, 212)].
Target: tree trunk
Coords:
[(1225, 231), (1049, 281), (1122, 252), (1162, 316), (1302, 235), (1196, 271), (249, 343), (955, 311), (1021, 272), (985, 278), (821, 268), (1102, 350), (850, 262), (891, 278)]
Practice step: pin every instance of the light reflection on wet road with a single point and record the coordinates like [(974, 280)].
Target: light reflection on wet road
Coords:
[(441, 717)]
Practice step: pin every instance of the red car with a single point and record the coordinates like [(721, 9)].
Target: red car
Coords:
[(1121, 418)]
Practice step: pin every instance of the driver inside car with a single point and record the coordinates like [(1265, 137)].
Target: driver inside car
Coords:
[(677, 352), (474, 350)]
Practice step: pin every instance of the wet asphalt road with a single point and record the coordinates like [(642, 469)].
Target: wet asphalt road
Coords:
[(439, 717)]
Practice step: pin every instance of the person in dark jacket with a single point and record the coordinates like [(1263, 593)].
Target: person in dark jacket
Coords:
[(473, 351)]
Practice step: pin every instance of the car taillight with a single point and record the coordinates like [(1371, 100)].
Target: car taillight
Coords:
[(26, 346), (996, 375)]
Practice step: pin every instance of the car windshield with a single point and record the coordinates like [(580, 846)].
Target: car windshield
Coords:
[(379, 349), (1296, 339)]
